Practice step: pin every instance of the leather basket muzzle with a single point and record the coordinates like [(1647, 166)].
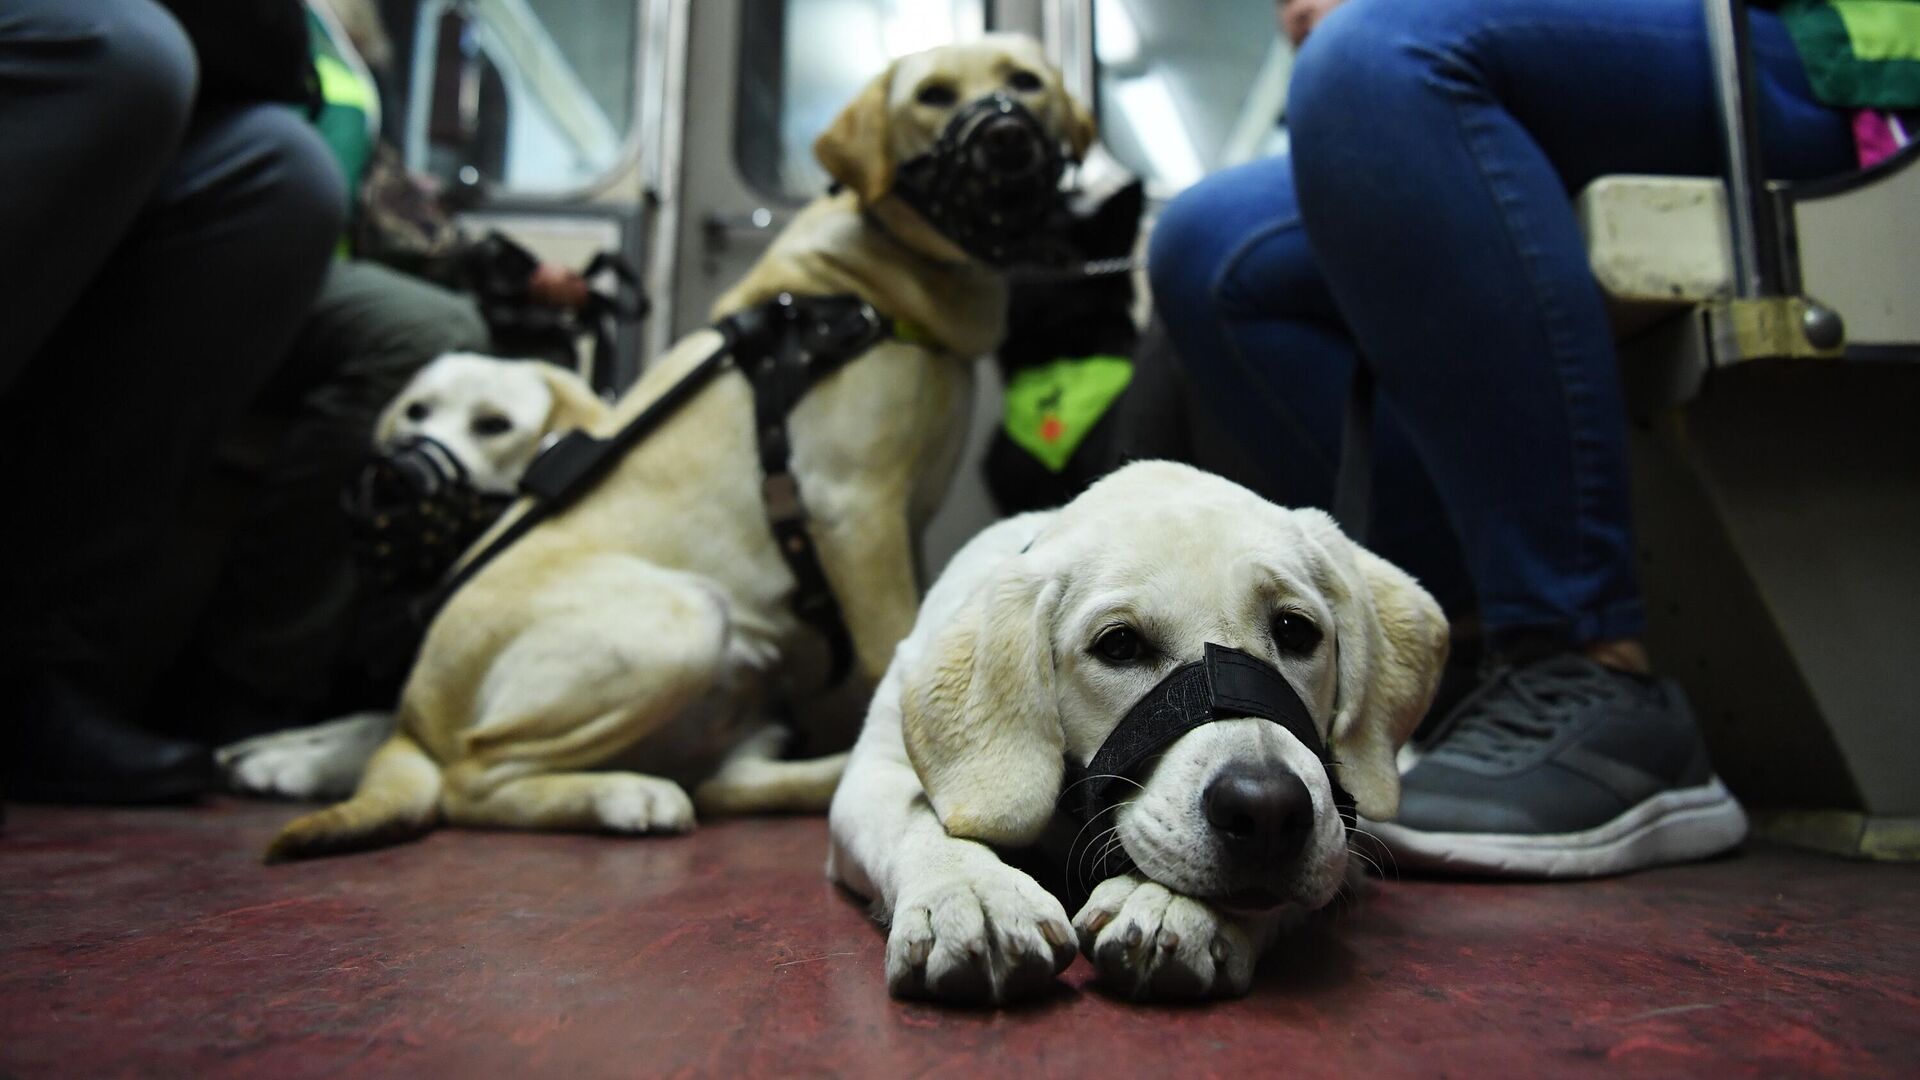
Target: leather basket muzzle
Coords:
[(991, 184)]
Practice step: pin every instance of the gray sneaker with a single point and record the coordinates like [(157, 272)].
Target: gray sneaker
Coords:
[(1563, 768)]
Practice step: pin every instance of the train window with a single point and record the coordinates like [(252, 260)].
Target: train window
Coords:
[(1179, 96), (533, 96), (801, 60)]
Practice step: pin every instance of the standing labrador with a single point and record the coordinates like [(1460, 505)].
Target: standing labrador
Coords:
[(622, 652), (1043, 633)]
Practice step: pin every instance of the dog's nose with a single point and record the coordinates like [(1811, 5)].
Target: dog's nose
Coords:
[(1266, 815), (1006, 145)]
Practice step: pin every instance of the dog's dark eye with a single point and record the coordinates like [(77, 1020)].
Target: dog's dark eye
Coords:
[(1023, 80), (937, 94), (491, 424), (1295, 633), (1120, 645), (418, 411)]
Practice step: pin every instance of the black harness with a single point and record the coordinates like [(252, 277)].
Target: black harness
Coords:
[(1224, 683), (783, 347)]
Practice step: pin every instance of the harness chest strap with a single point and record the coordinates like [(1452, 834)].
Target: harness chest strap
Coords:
[(783, 347)]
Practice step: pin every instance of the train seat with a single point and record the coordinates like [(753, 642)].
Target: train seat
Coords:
[(1777, 486)]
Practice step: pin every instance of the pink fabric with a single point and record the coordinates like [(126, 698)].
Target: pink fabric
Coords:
[(1874, 136)]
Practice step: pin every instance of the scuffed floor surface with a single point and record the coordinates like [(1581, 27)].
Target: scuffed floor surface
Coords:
[(154, 943)]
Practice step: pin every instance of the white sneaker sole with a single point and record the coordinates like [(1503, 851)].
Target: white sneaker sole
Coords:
[(1673, 826)]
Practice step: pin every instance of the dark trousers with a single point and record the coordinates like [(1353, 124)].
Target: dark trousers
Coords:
[(156, 260), (276, 645)]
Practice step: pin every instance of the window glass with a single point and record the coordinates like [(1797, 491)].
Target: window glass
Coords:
[(1181, 96), (802, 60), (536, 96)]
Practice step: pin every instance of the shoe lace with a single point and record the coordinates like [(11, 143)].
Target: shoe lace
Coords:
[(1518, 709)]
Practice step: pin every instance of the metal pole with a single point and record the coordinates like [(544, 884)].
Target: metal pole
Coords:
[(1756, 239)]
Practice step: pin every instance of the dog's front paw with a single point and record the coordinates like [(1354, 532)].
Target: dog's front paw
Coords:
[(988, 939), (1149, 942), (628, 803)]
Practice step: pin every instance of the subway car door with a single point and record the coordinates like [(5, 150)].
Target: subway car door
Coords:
[(539, 119), (762, 78)]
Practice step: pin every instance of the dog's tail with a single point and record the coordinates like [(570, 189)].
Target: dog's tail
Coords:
[(398, 799)]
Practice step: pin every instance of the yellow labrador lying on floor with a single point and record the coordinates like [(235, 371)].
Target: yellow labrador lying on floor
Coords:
[(1043, 633), (492, 415), (623, 651)]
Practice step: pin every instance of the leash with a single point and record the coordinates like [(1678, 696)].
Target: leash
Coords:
[(783, 347)]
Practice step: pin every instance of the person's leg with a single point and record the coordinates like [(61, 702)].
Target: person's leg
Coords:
[(108, 422), (1436, 145), (94, 98), (267, 647), (1237, 286)]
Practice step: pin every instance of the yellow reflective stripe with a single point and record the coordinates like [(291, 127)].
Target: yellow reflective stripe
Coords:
[(1881, 29), (340, 86)]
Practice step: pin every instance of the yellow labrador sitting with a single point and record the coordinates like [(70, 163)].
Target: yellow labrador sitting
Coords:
[(1041, 635), (492, 415), (622, 652)]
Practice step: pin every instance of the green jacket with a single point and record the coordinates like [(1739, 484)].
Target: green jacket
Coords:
[(1859, 53)]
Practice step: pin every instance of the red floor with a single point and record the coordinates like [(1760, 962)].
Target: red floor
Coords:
[(154, 943)]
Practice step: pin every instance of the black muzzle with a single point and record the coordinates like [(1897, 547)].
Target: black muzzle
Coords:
[(991, 184), (1224, 684), (412, 510)]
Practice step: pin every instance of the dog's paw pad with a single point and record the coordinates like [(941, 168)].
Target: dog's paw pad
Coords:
[(980, 940), (1149, 942), (643, 804)]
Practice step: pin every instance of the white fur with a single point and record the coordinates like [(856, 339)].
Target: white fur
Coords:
[(1186, 558), (442, 401), (319, 762), (454, 399)]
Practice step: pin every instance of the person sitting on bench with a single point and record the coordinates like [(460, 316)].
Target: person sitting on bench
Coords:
[(1422, 222)]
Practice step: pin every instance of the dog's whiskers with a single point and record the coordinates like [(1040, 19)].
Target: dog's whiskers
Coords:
[(1080, 869), (1352, 822), (1116, 843), (1365, 858), (1068, 872), (1096, 776)]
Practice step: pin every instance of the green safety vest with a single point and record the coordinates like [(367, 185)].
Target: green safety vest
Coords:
[(347, 104)]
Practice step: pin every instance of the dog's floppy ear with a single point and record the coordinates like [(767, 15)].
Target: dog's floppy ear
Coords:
[(855, 149), (1392, 642), (575, 405), (980, 717)]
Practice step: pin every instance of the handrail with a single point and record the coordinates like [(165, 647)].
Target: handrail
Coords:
[(1755, 229)]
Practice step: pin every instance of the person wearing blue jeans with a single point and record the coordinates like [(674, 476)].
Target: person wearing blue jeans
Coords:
[(1423, 221)]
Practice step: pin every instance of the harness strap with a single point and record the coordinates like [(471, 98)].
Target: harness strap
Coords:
[(823, 336), (783, 347)]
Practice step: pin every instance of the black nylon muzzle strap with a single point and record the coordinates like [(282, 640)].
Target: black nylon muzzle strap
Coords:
[(1225, 683)]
